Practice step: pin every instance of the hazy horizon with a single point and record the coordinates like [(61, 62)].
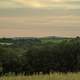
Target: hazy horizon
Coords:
[(38, 18)]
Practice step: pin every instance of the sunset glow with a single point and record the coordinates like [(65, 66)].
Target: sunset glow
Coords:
[(39, 3), (39, 17)]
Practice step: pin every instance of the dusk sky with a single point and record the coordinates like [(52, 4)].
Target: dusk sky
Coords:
[(31, 18)]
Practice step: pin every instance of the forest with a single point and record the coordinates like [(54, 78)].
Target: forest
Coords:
[(39, 55)]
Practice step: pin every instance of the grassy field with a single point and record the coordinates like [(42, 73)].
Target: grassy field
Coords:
[(55, 76)]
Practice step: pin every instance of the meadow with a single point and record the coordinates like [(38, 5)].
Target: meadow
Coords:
[(54, 76)]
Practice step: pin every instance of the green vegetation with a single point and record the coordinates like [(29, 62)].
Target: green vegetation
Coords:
[(35, 55), (53, 39)]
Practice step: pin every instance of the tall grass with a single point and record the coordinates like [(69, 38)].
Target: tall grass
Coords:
[(54, 76)]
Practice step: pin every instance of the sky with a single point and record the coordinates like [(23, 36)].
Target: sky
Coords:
[(38, 18)]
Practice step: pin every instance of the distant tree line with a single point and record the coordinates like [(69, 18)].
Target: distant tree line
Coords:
[(45, 58)]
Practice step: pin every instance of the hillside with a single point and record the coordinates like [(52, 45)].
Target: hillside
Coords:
[(31, 40)]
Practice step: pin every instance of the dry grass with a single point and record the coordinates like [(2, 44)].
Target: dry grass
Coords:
[(55, 76)]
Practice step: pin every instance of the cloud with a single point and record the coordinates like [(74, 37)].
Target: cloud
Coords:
[(28, 3), (39, 7), (40, 4), (40, 26), (69, 4), (32, 3), (9, 4)]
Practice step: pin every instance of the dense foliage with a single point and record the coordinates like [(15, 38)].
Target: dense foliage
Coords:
[(32, 55)]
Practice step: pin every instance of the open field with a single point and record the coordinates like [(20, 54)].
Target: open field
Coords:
[(55, 76)]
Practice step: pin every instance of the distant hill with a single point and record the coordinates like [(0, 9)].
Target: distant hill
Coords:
[(27, 41)]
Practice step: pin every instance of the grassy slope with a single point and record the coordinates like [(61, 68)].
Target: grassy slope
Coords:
[(53, 40)]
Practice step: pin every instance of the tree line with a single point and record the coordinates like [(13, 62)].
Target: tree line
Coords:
[(45, 58)]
